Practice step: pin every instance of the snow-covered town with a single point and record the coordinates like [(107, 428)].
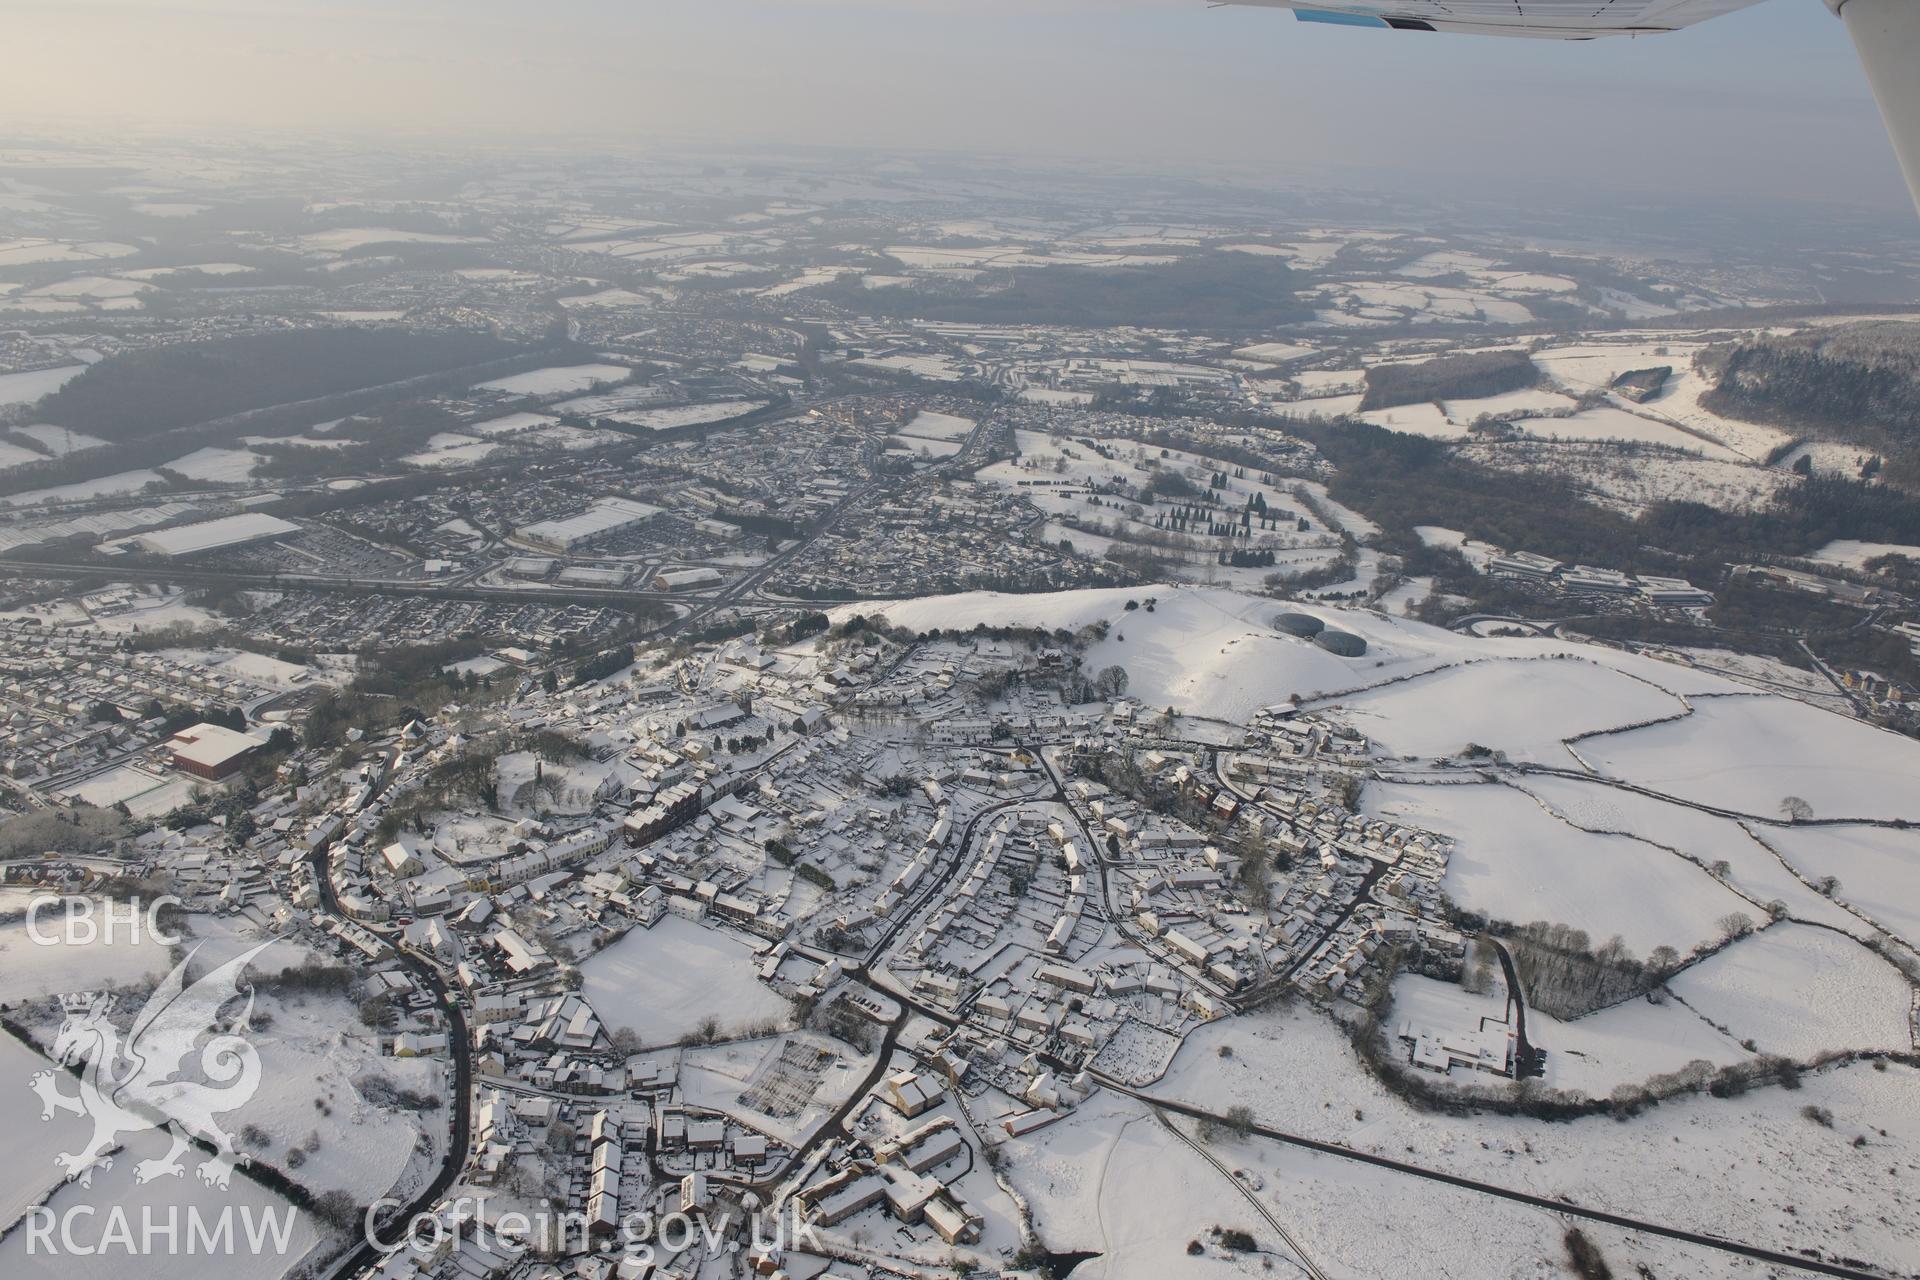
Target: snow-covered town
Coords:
[(855, 917), (682, 720)]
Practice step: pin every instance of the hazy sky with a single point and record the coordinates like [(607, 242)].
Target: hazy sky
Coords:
[(1766, 101)]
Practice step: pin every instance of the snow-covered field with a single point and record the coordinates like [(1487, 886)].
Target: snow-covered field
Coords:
[(553, 381), (31, 970), (1524, 708), (937, 426), (1828, 458), (25, 388), (1851, 554), (13, 455), (342, 239), (1607, 423), (1112, 1180), (216, 466), (684, 415), (310, 1057), (1878, 869), (1592, 366), (1628, 1044), (1213, 652), (1529, 400), (1749, 753), (511, 424), (60, 440), (1752, 869), (101, 487), (1630, 481), (662, 982), (269, 1235), (1423, 419), (1801, 991), (15, 253), (1750, 1168), (451, 449), (605, 298), (1515, 861)]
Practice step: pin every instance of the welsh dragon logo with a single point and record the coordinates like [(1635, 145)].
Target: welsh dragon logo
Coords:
[(134, 1086)]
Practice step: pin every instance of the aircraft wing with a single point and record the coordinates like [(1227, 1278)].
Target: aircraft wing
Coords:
[(1549, 19), (1886, 34)]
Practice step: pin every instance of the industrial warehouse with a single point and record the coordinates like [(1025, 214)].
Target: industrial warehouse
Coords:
[(605, 516), (215, 535)]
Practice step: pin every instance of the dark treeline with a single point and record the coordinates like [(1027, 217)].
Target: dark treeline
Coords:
[(1462, 377), (1202, 291), (1857, 383), (146, 392), (1402, 481)]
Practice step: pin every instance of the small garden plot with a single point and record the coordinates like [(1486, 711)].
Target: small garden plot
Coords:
[(471, 838), (664, 983), (784, 1087), (1748, 754), (1525, 709), (1138, 1053), (1515, 861), (1801, 991)]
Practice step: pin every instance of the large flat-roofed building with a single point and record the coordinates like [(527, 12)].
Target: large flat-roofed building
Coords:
[(588, 576), (686, 579), (605, 516), (215, 535), (211, 751)]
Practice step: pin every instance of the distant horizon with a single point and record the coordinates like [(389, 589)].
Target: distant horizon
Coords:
[(1764, 104), (1588, 214)]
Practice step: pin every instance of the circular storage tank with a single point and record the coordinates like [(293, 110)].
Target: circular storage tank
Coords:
[(1344, 643), (1304, 625)]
